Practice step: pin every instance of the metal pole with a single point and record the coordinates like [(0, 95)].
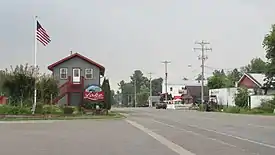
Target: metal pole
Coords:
[(166, 79), (35, 66), (203, 57)]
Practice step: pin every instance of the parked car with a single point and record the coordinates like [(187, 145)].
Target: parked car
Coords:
[(161, 105)]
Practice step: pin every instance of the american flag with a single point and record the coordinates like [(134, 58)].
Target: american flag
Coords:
[(41, 35)]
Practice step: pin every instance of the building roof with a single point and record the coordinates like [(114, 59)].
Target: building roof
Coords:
[(101, 68), (257, 78)]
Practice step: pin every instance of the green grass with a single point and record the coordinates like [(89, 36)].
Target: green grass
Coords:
[(111, 115)]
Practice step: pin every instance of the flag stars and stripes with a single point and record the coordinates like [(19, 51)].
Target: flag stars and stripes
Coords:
[(41, 35)]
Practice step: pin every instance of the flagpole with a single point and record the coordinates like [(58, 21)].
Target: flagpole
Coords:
[(35, 66)]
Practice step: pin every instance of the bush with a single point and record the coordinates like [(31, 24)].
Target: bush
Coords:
[(256, 111), (52, 109), (14, 110), (268, 106), (68, 110), (92, 105), (234, 109), (39, 108), (241, 98)]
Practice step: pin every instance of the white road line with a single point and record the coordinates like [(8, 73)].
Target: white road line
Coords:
[(194, 133), (197, 134), (236, 137), (174, 147), (261, 126)]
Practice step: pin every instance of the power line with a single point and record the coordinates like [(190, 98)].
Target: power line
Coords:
[(202, 57), (166, 77)]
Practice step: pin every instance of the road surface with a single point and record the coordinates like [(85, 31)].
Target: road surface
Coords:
[(146, 131)]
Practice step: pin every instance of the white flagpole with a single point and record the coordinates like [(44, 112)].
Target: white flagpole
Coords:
[(35, 66)]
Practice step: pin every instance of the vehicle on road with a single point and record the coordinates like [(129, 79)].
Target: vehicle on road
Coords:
[(161, 105)]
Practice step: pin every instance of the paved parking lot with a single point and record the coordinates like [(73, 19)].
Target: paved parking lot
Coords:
[(81, 137)]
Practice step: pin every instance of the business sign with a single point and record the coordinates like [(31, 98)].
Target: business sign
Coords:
[(94, 93)]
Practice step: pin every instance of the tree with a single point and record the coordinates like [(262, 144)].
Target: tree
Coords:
[(157, 86), (127, 92), (269, 45), (215, 82), (107, 94), (138, 79), (47, 88), (218, 80), (233, 77), (18, 84), (256, 65), (241, 98)]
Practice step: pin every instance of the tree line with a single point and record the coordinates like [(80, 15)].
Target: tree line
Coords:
[(220, 79), (223, 79), (139, 84)]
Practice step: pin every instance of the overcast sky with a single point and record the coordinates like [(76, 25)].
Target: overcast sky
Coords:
[(124, 35)]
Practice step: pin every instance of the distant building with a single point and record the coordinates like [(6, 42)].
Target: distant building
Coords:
[(254, 82), (189, 91)]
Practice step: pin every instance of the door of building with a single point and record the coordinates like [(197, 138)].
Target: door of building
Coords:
[(76, 75)]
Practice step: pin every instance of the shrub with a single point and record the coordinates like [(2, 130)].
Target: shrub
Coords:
[(52, 109), (14, 110), (39, 108), (268, 106), (234, 109), (256, 111), (241, 98), (68, 110)]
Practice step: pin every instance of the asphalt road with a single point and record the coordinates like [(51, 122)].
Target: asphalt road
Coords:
[(204, 133), (146, 131)]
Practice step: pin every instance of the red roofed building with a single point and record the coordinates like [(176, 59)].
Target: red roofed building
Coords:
[(74, 74)]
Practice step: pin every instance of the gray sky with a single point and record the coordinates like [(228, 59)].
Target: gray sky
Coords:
[(124, 35)]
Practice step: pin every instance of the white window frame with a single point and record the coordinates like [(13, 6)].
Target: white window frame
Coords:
[(60, 73), (92, 73)]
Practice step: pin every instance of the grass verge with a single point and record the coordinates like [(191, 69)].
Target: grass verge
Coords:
[(111, 115)]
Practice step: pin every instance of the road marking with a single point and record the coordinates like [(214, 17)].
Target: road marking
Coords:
[(236, 137), (197, 134), (174, 147), (261, 126), (194, 133)]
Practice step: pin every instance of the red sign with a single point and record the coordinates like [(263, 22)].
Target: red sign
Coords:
[(94, 96)]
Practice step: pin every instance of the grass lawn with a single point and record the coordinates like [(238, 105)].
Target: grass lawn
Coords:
[(111, 115)]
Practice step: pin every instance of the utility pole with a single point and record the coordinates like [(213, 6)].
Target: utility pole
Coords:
[(166, 76), (202, 57), (135, 87), (150, 99)]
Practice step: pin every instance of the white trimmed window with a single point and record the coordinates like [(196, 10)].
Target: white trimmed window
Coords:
[(89, 73), (63, 73)]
